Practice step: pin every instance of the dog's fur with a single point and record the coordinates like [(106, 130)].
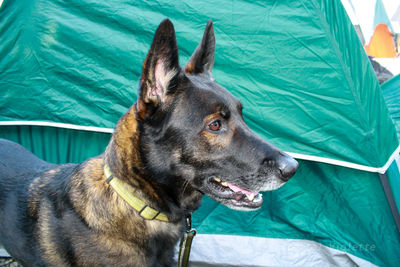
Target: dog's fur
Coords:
[(181, 137)]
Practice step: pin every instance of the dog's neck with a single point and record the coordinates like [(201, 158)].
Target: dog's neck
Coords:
[(124, 159), (122, 152)]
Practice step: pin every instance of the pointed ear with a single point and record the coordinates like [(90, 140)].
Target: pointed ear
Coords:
[(160, 68), (202, 60)]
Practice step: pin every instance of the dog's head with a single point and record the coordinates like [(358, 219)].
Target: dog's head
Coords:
[(193, 132)]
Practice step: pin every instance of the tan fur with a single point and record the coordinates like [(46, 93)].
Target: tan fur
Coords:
[(189, 67), (45, 236), (102, 209), (95, 181), (215, 139)]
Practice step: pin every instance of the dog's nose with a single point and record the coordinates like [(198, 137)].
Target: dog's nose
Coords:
[(287, 167)]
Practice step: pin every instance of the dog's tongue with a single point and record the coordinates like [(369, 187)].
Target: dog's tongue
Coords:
[(236, 188)]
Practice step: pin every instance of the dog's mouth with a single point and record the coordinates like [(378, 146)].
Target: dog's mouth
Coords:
[(233, 196)]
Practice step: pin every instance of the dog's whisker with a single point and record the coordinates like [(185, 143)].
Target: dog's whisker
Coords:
[(184, 188)]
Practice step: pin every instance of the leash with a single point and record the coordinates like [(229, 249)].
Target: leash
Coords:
[(186, 242)]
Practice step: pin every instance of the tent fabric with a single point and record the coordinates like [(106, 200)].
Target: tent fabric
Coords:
[(282, 252), (57, 145), (394, 182), (396, 15), (87, 55), (382, 44), (298, 68), (391, 94), (380, 16)]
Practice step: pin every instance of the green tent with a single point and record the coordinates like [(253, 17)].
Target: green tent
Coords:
[(70, 69), (391, 94)]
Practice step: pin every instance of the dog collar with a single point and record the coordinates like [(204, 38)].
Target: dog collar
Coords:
[(136, 203)]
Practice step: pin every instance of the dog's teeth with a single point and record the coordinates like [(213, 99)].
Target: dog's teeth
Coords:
[(217, 179), (251, 196), (224, 184), (258, 198)]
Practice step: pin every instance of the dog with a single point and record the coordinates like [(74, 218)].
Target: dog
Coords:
[(184, 137)]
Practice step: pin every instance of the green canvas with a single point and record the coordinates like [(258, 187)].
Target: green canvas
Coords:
[(298, 68), (391, 94)]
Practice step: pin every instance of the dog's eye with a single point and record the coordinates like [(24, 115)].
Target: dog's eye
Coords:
[(215, 125)]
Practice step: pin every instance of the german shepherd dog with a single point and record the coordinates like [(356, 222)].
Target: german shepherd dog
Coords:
[(183, 138)]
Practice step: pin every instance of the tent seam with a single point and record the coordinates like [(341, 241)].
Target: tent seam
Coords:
[(346, 164), (350, 82), (57, 125), (339, 56)]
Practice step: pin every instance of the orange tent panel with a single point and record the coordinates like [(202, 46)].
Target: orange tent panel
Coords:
[(382, 43)]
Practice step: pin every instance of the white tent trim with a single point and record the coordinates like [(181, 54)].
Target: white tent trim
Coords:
[(211, 250)]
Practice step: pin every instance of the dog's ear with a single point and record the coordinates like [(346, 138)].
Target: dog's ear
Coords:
[(160, 68), (202, 60)]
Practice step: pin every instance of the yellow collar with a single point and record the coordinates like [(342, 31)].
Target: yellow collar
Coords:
[(139, 205)]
